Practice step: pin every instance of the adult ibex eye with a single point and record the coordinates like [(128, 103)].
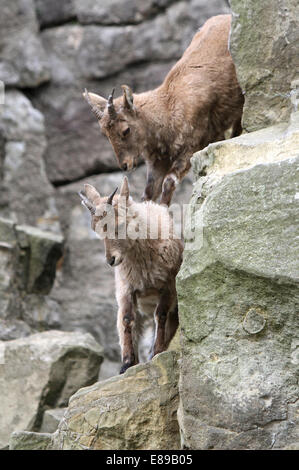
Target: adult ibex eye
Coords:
[(126, 132)]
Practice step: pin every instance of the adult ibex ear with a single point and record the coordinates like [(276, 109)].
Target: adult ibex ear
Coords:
[(96, 102), (92, 194), (124, 190), (128, 98)]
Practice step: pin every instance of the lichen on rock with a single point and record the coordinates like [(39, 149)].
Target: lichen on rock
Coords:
[(42, 371), (238, 295), (136, 410), (264, 46)]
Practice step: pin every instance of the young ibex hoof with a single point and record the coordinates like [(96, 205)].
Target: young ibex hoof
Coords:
[(124, 367)]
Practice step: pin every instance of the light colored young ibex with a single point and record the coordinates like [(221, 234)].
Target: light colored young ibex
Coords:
[(198, 101), (141, 244)]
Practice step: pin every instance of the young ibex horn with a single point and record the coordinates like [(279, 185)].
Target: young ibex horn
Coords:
[(110, 198), (110, 105)]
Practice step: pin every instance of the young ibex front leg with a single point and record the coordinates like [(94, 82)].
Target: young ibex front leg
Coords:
[(126, 323)]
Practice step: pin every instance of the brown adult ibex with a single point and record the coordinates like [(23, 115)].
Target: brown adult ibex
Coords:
[(198, 101), (141, 244)]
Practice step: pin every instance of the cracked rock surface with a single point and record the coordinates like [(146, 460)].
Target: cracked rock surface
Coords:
[(264, 46), (40, 372), (136, 410), (238, 296), (51, 144)]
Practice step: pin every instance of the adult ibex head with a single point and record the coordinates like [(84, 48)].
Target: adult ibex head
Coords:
[(119, 122)]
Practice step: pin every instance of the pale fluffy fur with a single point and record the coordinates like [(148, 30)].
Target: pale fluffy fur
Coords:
[(145, 271)]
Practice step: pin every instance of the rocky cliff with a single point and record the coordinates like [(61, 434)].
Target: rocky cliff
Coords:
[(238, 285), (235, 383), (50, 142), (52, 270), (238, 295), (264, 46)]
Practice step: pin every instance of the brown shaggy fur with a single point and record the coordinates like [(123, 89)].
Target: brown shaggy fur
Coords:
[(198, 101)]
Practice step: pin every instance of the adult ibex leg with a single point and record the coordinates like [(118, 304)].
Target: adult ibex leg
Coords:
[(155, 175), (176, 173)]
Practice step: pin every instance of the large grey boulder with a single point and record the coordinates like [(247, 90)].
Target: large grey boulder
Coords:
[(44, 249), (54, 12), (28, 264), (26, 440), (264, 46), (103, 12), (136, 410), (116, 12), (97, 52), (27, 196), (238, 295), (23, 61), (42, 371)]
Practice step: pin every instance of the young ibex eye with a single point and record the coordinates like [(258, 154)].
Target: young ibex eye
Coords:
[(126, 132)]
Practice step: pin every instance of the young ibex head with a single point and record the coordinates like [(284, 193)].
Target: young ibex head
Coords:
[(119, 122), (110, 219), (122, 222)]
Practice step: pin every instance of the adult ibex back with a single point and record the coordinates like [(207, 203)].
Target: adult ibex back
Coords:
[(198, 101)]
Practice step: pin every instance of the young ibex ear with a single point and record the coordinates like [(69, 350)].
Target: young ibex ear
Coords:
[(124, 190), (96, 102), (127, 97), (85, 202), (92, 194)]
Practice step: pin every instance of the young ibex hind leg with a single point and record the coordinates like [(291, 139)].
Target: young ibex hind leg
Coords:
[(237, 128), (165, 316), (129, 331), (172, 324)]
